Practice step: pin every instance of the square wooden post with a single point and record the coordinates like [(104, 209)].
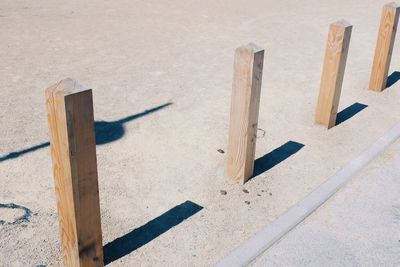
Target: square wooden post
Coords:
[(245, 102), (384, 47), (73, 151), (332, 74)]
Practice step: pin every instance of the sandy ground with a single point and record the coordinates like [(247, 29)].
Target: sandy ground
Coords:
[(162, 166), (357, 227)]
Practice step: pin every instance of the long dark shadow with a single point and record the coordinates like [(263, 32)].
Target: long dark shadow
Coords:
[(109, 131), (18, 153), (349, 112), (392, 78), (275, 157), (106, 132), (141, 236)]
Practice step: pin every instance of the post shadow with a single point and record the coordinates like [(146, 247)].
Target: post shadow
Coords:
[(16, 154), (392, 79), (109, 131), (106, 132), (349, 112), (139, 237), (273, 158)]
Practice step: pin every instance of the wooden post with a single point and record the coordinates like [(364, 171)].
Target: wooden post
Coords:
[(73, 151), (332, 74), (384, 47), (245, 101)]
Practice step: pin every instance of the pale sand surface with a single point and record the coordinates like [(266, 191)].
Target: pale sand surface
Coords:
[(137, 55), (359, 226)]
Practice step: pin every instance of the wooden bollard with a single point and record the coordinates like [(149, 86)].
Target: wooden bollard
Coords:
[(245, 102), (332, 74), (73, 151), (384, 47)]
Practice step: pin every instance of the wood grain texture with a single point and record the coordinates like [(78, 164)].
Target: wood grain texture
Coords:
[(73, 151), (384, 47), (245, 102), (332, 74)]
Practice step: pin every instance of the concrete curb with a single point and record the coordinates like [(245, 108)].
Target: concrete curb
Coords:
[(266, 237)]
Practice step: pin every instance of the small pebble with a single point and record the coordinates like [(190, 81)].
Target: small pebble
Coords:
[(223, 192), (221, 151), (270, 194), (259, 195), (245, 190), (247, 202)]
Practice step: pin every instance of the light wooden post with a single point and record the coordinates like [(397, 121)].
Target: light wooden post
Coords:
[(333, 72), (384, 47), (73, 150), (245, 102)]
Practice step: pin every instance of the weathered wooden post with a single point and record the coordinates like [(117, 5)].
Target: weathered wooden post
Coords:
[(245, 102), (332, 74), (73, 151), (384, 47)]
